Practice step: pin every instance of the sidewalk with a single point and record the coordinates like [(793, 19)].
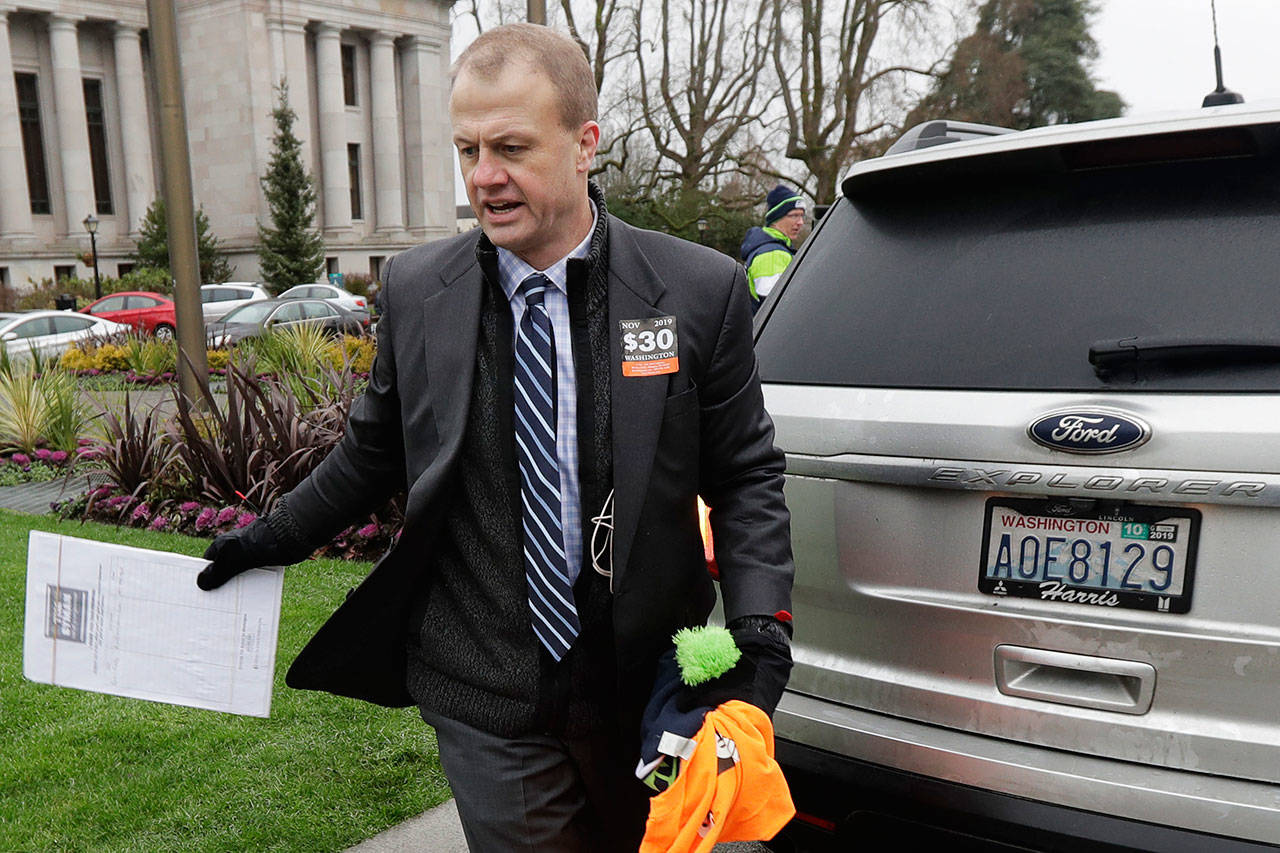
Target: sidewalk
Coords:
[(34, 498), (438, 831)]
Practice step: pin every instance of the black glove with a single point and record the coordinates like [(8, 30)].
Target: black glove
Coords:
[(249, 547), (759, 676)]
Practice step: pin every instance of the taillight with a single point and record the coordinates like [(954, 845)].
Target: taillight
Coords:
[(360, 302)]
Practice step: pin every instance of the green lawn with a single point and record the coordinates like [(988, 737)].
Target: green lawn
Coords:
[(83, 771)]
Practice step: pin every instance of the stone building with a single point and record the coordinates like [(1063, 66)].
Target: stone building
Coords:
[(79, 131)]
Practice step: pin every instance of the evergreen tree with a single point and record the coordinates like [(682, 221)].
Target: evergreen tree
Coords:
[(1024, 65), (153, 245), (291, 249)]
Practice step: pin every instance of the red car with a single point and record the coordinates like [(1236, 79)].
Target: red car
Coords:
[(150, 313)]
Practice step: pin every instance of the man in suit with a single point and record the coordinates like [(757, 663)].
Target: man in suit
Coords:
[(553, 369)]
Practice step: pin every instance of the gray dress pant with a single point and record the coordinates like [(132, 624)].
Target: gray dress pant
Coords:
[(541, 793)]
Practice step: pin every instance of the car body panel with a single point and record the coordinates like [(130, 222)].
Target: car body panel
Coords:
[(281, 313), (143, 311), (50, 333), (218, 300), (1227, 807), (358, 306)]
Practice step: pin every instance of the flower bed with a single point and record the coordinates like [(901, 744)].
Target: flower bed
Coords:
[(110, 504)]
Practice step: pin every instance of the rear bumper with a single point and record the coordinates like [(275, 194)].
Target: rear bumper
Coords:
[(868, 773)]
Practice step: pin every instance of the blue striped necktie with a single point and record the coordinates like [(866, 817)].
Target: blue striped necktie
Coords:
[(555, 618)]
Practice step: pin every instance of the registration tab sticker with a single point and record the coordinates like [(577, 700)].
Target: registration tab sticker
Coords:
[(649, 346)]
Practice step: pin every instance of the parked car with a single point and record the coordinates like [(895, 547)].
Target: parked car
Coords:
[(1027, 384), (50, 333), (149, 313), (218, 300), (261, 316), (357, 305)]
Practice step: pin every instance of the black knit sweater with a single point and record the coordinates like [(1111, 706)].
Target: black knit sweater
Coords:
[(472, 654)]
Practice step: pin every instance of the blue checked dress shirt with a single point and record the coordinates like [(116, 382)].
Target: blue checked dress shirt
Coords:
[(512, 271)]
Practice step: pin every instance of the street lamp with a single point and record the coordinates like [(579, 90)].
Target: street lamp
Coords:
[(91, 225), (702, 231)]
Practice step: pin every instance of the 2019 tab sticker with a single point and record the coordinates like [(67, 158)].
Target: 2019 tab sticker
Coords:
[(649, 346)]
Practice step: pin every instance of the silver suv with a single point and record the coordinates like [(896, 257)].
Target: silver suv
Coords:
[(1028, 385)]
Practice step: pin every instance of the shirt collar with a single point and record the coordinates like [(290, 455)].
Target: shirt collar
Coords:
[(512, 270)]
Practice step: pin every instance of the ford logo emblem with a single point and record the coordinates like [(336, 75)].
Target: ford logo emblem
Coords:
[(1089, 431)]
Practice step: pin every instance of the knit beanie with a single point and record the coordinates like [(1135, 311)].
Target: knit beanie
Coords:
[(780, 201)]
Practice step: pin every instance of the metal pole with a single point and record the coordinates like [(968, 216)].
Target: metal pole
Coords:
[(97, 279), (175, 168), (537, 11)]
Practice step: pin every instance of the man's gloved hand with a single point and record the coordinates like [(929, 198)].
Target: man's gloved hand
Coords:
[(249, 547), (759, 676)]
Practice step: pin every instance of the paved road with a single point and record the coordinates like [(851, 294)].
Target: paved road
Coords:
[(438, 831)]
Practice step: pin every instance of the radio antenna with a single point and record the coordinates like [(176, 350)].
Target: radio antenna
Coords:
[(1221, 95)]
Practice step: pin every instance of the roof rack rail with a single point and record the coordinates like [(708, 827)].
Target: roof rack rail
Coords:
[(942, 131)]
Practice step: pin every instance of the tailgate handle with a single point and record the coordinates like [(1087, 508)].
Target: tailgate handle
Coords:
[(1087, 682)]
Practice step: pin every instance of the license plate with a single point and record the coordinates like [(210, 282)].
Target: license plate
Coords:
[(1099, 553)]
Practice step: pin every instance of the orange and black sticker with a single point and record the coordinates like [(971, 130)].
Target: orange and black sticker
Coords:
[(649, 346)]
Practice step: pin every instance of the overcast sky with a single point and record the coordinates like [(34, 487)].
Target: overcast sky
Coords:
[(1158, 54)]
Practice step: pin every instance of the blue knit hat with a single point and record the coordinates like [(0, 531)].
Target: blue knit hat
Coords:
[(780, 201)]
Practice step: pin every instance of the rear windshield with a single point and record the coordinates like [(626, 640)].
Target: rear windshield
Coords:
[(1006, 287)]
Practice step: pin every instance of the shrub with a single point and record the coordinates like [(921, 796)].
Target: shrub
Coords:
[(262, 443), (218, 358), (135, 451), (149, 357), (355, 351), (110, 357), (66, 414), (41, 408), (76, 359), (357, 283)]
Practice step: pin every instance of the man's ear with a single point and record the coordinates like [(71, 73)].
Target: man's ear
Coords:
[(588, 141)]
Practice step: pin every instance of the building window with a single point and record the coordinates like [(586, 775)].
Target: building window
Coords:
[(375, 266), (123, 269), (349, 74), (331, 266), (33, 142), (95, 116), (61, 272), (353, 165)]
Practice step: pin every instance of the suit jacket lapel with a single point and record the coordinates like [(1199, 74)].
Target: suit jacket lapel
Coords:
[(451, 325), (637, 403)]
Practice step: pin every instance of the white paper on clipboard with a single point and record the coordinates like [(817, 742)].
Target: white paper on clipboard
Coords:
[(131, 622)]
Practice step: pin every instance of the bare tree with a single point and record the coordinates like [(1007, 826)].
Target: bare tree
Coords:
[(837, 103), (711, 82)]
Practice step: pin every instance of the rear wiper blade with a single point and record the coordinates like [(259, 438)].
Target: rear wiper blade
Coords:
[(1110, 354)]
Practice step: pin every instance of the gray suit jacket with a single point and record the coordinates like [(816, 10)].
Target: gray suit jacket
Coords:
[(699, 431)]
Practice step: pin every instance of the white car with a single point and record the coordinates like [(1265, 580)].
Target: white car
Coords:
[(357, 305), (218, 300), (49, 333)]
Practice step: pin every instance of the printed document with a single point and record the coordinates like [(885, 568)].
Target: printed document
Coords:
[(131, 622)]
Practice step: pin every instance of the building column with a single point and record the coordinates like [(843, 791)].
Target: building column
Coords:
[(428, 165), (73, 128), (275, 43), (387, 175), (135, 126), (335, 181), (294, 36), (15, 197)]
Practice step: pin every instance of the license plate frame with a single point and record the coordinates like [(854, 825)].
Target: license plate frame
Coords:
[(1161, 534)]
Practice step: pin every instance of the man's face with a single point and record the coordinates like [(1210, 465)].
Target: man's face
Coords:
[(791, 223), (525, 171)]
